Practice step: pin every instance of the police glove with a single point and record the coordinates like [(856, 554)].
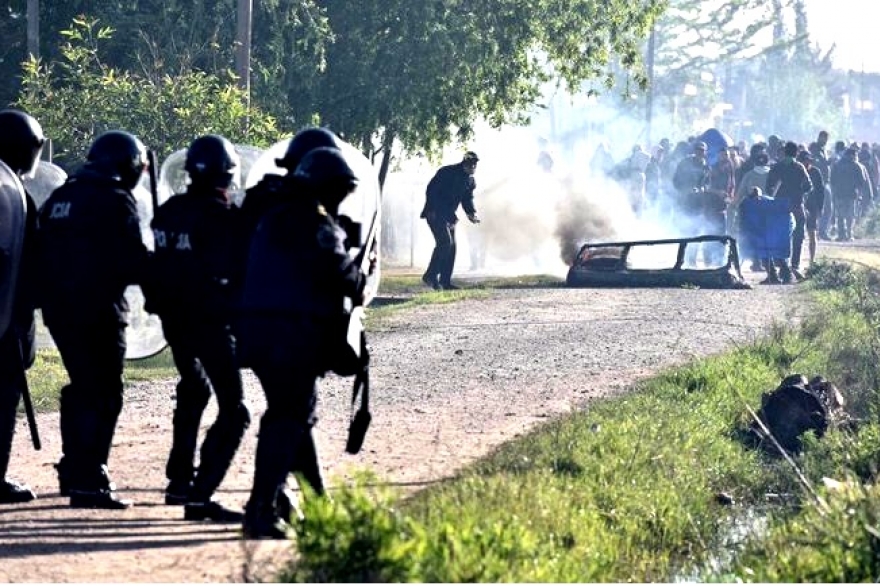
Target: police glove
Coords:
[(474, 218)]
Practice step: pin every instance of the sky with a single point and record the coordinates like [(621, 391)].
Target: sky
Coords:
[(853, 25)]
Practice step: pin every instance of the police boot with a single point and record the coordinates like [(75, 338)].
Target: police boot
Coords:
[(277, 445), (210, 510), (12, 493), (95, 492), (287, 506), (261, 522)]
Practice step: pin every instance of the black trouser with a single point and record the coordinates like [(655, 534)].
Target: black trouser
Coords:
[(290, 391), (11, 387), (204, 353), (443, 257), (845, 210), (797, 240), (93, 353)]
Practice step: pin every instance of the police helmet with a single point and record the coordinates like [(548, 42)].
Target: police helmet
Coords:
[(120, 154), (304, 141), (325, 170), (211, 159), (21, 140)]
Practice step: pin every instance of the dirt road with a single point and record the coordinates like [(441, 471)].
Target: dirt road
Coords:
[(450, 382)]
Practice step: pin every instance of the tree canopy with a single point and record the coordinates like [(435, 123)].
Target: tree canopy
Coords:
[(379, 72), (79, 96)]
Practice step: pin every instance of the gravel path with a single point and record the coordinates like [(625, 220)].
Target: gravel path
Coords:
[(450, 383)]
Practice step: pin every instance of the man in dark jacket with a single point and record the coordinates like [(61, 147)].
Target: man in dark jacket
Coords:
[(451, 186), (90, 251), (21, 141), (191, 288), (849, 184), (788, 180)]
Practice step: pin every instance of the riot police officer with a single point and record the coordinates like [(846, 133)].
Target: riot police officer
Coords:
[(90, 251), (287, 316), (191, 288), (274, 190), (21, 141)]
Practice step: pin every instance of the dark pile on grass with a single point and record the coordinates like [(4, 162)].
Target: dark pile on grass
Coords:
[(654, 486)]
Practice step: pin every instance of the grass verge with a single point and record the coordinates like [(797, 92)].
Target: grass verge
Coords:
[(47, 375), (654, 486)]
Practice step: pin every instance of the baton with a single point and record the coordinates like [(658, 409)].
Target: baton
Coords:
[(154, 179), (28, 403)]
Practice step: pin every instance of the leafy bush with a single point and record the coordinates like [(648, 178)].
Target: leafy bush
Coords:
[(79, 97)]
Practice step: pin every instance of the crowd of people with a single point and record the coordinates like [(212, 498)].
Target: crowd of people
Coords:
[(214, 281), (773, 196)]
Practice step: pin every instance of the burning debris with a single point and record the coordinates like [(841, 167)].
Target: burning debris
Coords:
[(659, 263)]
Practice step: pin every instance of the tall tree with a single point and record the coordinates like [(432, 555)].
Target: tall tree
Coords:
[(422, 73)]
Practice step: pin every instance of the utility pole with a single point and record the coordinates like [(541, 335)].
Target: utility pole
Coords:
[(649, 97), (243, 45), (33, 28)]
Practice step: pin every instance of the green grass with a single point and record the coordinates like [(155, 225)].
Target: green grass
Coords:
[(628, 490), (47, 375)]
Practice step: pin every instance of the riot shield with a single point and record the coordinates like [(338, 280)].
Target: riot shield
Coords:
[(363, 206), (173, 178), (143, 337), (13, 220), (47, 178)]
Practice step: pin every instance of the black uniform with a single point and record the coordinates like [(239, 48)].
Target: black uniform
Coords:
[(286, 317), (17, 354), (450, 187), (191, 287), (270, 193), (90, 251)]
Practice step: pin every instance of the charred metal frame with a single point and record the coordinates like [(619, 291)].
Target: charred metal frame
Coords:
[(590, 270)]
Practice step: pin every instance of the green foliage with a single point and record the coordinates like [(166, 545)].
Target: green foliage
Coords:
[(423, 73), (357, 537), (629, 489), (47, 376), (623, 492), (840, 543), (869, 227), (45, 379), (832, 274), (79, 97)]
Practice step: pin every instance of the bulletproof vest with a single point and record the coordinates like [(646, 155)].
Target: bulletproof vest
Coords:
[(193, 263), (90, 249)]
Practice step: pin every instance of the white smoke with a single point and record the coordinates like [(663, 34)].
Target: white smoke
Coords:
[(533, 221)]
